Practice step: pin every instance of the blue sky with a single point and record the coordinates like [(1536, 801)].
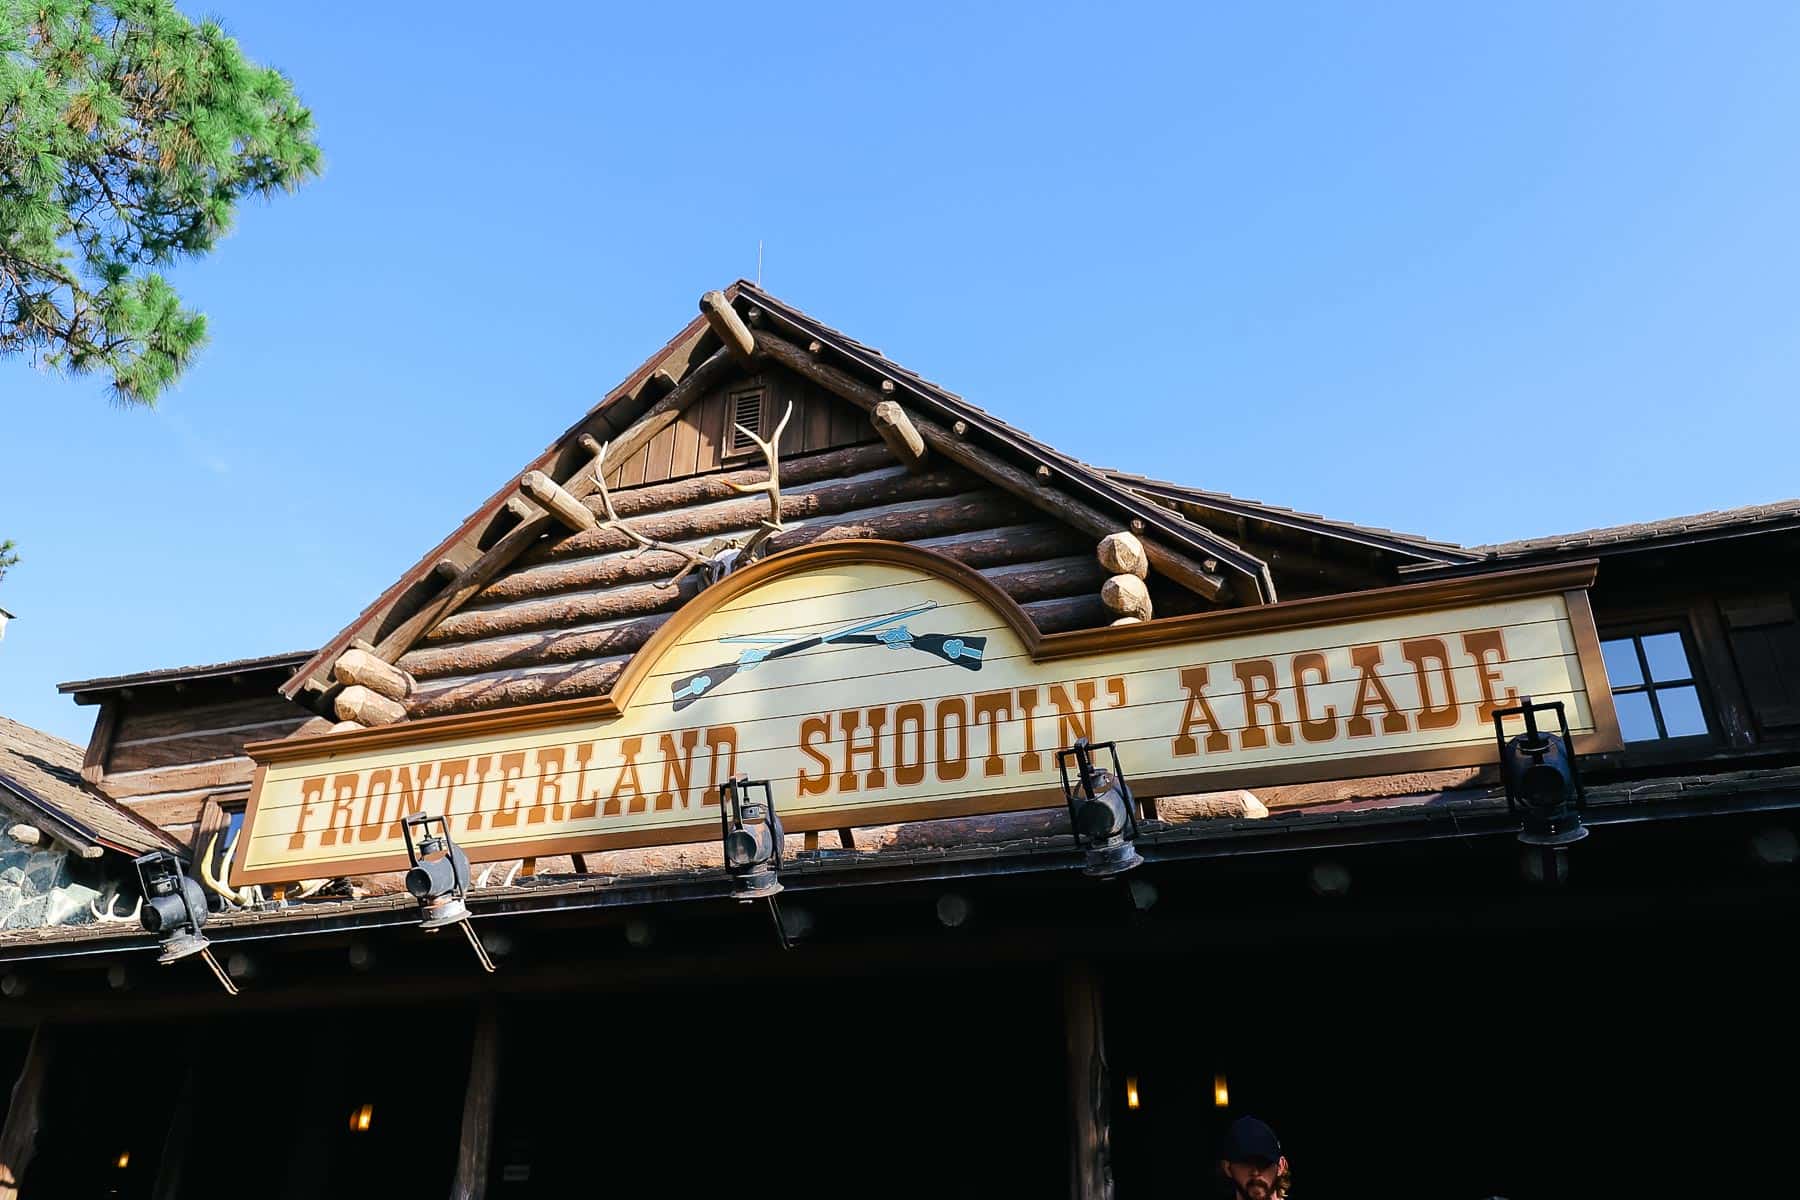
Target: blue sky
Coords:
[(1482, 275)]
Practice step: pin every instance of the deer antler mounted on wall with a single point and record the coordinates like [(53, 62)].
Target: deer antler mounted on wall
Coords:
[(716, 559)]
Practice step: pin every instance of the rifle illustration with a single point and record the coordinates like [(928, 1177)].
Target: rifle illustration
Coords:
[(887, 630)]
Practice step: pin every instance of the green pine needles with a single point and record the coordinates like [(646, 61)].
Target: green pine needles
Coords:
[(128, 133)]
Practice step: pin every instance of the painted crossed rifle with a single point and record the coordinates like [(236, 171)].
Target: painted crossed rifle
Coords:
[(887, 630)]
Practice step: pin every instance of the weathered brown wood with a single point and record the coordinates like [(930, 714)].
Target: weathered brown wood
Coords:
[(1090, 1086), (495, 645), (556, 500), (523, 509), (100, 742), (900, 434), (729, 327), (136, 724), (641, 600), (176, 810), (530, 649), (480, 1099), (958, 515), (202, 747), (26, 835), (1071, 612), (594, 678), (357, 703), (1127, 596), (519, 539), (1123, 554), (1170, 563), (358, 666), (743, 512), (25, 1113), (505, 691), (191, 777)]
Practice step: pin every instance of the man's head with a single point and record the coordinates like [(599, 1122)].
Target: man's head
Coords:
[(1251, 1159)]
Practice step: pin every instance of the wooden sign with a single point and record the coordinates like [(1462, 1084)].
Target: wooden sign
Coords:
[(874, 682)]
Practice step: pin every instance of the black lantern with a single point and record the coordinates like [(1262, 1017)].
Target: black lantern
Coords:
[(175, 909), (751, 830), (439, 878), (1542, 783), (1102, 814)]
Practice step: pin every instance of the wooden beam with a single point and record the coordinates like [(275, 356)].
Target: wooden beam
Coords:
[(1090, 1085), (1127, 596), (522, 508), (897, 430), (24, 1116), (1170, 563), (728, 325), (521, 537), (1123, 554), (558, 502), (100, 743), (479, 1102), (359, 666), (357, 703)]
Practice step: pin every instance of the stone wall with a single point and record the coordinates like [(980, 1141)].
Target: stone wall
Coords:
[(48, 886)]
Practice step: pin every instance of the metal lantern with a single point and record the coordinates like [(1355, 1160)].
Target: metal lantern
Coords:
[(174, 908), (1543, 784), (174, 905), (1102, 814), (752, 837), (439, 878)]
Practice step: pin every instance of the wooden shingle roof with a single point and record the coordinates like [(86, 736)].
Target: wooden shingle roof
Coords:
[(40, 776)]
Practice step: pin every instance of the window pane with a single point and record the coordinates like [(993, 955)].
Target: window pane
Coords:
[(1635, 719), (1667, 657), (1621, 662), (1681, 711)]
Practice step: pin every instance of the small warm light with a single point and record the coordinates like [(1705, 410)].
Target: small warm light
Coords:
[(360, 1119), (1221, 1093), (123, 1161), (1131, 1096)]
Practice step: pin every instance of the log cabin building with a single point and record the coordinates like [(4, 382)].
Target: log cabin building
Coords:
[(773, 555)]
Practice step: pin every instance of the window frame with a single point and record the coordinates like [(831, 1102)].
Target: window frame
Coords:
[(1637, 631)]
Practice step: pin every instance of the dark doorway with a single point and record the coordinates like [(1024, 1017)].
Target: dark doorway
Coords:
[(1641, 1058), (940, 1084)]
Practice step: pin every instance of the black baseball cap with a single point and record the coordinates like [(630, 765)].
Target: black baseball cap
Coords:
[(1250, 1141)]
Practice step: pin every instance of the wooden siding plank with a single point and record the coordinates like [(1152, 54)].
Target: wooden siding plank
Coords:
[(176, 779), (659, 455), (136, 724), (709, 421), (201, 747), (687, 446)]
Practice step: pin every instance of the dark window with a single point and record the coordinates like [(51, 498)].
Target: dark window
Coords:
[(1765, 640), (1653, 686), (743, 411)]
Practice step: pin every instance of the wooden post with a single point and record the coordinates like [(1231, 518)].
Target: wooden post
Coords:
[(478, 1108), (900, 434), (560, 504), (1090, 1086), (18, 1141), (728, 325)]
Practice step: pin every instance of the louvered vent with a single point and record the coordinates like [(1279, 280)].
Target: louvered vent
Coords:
[(745, 409)]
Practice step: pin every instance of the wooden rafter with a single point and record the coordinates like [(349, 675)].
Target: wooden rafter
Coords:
[(520, 538), (1170, 563)]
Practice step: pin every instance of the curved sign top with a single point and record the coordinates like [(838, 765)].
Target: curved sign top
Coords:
[(872, 682)]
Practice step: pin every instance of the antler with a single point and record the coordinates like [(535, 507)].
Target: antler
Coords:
[(108, 916), (771, 525), (242, 897), (644, 544)]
